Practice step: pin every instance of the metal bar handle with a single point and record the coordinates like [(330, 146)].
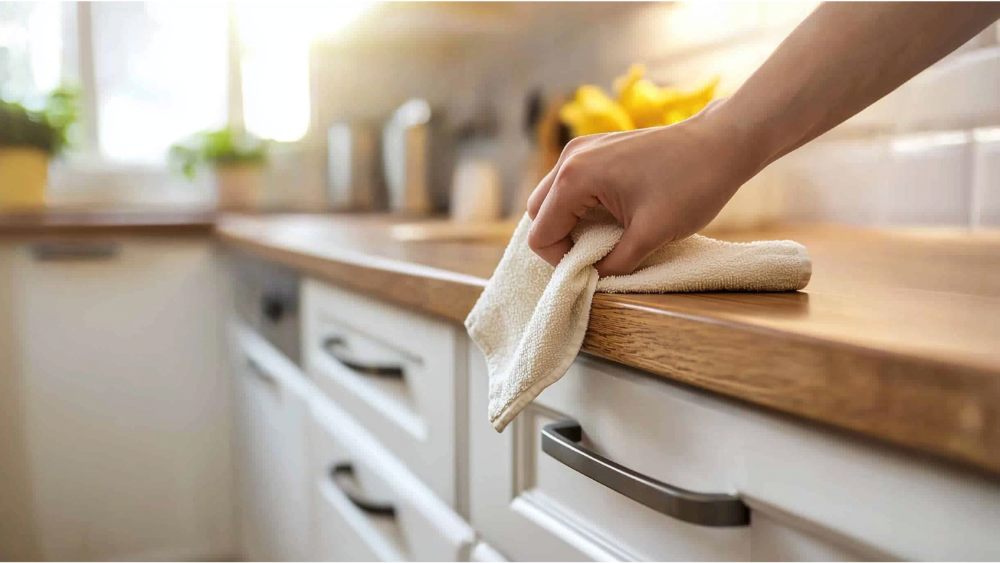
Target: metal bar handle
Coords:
[(561, 440), (374, 508), (333, 344), (74, 250)]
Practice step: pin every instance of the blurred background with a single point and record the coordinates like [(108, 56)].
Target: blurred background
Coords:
[(168, 373), (328, 83)]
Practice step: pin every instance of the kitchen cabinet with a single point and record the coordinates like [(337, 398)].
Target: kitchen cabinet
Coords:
[(273, 415), (810, 494), (122, 418), (397, 372), (17, 536), (369, 505)]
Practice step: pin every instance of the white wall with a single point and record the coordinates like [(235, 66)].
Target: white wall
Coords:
[(889, 165)]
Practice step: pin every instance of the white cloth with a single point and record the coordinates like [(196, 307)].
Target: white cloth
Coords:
[(530, 320)]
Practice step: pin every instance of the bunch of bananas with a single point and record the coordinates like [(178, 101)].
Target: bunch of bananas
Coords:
[(640, 104)]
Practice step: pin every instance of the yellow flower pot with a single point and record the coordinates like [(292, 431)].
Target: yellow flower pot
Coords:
[(24, 174), (240, 186)]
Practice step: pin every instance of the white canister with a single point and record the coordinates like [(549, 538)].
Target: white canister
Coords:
[(476, 191)]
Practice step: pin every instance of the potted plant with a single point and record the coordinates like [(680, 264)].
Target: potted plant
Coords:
[(28, 139), (237, 160)]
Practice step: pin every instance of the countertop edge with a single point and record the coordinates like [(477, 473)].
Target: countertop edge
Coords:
[(917, 404)]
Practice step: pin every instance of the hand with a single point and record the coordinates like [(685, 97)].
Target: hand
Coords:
[(662, 184)]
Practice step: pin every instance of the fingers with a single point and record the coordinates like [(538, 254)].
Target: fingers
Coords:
[(554, 253), (538, 196), (635, 245), (542, 190), (567, 200)]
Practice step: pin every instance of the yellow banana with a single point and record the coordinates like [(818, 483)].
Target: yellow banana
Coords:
[(640, 104)]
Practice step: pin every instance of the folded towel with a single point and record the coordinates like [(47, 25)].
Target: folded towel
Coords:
[(530, 320)]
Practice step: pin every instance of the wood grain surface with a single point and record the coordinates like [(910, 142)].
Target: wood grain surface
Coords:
[(897, 336), (62, 223)]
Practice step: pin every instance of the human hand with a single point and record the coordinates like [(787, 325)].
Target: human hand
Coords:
[(662, 184)]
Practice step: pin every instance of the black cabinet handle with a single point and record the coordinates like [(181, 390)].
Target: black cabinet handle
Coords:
[(345, 469), (75, 251), (260, 372), (334, 346), (273, 307), (561, 440)]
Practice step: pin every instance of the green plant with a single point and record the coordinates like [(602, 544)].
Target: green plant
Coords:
[(219, 147), (48, 129)]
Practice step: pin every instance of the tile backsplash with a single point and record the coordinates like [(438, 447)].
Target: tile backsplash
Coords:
[(986, 178), (912, 158), (909, 159)]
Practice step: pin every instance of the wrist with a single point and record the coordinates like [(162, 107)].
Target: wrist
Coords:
[(757, 140)]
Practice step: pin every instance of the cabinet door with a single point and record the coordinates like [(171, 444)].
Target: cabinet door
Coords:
[(370, 506), (119, 350), (273, 460), (535, 508)]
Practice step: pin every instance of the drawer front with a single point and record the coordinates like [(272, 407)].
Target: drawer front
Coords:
[(393, 370), (533, 507), (813, 495), (369, 506), (273, 465), (485, 553)]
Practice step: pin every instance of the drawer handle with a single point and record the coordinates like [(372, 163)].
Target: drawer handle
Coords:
[(371, 507), (334, 346), (259, 372), (561, 440), (76, 250)]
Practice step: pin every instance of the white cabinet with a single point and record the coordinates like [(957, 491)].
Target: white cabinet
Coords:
[(397, 372), (812, 495), (273, 415), (122, 419), (369, 505), (17, 533)]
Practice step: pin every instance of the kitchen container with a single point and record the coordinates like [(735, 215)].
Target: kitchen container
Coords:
[(476, 191), (354, 178), (415, 159)]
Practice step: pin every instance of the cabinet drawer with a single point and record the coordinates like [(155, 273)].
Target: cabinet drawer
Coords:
[(484, 553), (811, 494), (393, 370), (369, 506), (273, 467)]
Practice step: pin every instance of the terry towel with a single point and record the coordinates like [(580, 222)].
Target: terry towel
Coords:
[(530, 320)]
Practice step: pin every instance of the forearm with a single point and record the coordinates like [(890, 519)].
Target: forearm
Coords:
[(840, 60)]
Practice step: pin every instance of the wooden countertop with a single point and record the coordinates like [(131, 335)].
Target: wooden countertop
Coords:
[(104, 222), (897, 336)]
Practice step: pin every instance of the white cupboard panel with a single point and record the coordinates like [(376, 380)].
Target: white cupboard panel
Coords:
[(420, 526), (273, 466), (126, 399), (484, 553), (813, 494), (393, 370)]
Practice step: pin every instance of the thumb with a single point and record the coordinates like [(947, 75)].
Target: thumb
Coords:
[(635, 245)]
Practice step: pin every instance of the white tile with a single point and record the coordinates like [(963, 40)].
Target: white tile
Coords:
[(986, 178), (962, 92), (929, 182), (833, 181)]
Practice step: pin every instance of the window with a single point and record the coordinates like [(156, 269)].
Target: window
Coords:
[(274, 55), (31, 49), (160, 74), (274, 64), (155, 72)]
